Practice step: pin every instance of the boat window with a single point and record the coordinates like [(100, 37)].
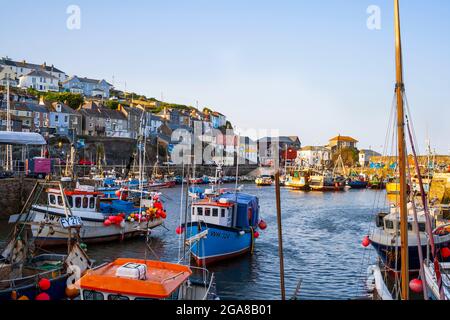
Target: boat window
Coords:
[(222, 213), (92, 295), (199, 211), (422, 227), (117, 297), (389, 224), (144, 299), (207, 212), (215, 212), (70, 201), (52, 199), (78, 202), (60, 201), (410, 226), (85, 202), (92, 202)]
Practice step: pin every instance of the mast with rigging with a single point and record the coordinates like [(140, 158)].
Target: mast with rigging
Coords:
[(399, 92)]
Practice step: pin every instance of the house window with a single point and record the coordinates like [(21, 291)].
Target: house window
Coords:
[(56, 118), (66, 119)]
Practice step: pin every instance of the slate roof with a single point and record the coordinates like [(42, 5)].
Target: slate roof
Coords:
[(40, 73), (24, 64)]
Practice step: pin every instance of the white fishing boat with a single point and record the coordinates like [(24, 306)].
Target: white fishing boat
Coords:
[(89, 215)]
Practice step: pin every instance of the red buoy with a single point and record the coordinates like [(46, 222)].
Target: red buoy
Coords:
[(42, 297), (117, 193), (179, 230), (107, 223), (256, 234), (366, 242), (416, 285), (163, 214), (262, 225), (44, 284), (445, 252)]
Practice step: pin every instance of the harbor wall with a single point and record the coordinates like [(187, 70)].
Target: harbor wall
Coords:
[(14, 193)]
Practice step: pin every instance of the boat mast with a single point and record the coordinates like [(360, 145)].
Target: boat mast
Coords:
[(399, 91), (9, 164)]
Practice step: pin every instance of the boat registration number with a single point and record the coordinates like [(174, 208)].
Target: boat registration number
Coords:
[(71, 222)]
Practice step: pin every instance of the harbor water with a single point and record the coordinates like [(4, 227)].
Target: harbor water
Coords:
[(322, 245)]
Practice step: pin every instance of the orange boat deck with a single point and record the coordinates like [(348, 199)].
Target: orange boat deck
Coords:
[(162, 279)]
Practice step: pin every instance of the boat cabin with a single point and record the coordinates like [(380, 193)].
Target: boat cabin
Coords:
[(228, 210), (134, 279), (390, 222), (76, 199)]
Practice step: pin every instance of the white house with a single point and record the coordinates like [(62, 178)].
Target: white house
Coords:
[(314, 156), (365, 155), (88, 87), (39, 80), (16, 69)]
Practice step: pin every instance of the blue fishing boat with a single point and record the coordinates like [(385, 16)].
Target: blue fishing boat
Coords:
[(222, 226), (357, 184)]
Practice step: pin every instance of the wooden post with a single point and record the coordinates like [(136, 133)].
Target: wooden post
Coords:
[(280, 234)]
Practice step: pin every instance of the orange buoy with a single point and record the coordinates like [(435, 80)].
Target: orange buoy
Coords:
[(262, 225), (72, 291), (23, 298)]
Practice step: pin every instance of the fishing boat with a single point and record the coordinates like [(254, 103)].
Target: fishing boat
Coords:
[(264, 181), (222, 226), (298, 179), (139, 279), (27, 274), (326, 182), (384, 238), (357, 182), (98, 221), (376, 183), (393, 186)]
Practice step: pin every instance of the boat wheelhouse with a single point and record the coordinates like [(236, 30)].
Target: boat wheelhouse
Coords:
[(134, 279)]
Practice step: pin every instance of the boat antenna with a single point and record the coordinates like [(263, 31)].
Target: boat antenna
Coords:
[(399, 90)]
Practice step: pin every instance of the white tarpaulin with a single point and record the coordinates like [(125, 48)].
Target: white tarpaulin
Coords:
[(21, 138)]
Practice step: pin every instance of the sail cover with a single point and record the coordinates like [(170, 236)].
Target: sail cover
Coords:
[(21, 138)]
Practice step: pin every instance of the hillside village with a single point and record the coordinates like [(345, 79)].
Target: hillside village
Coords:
[(46, 100)]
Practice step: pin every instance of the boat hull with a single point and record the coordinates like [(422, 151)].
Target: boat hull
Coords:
[(357, 184), (387, 254), (392, 188), (221, 243)]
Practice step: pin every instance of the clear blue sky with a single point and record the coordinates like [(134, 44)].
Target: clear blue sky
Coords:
[(308, 68)]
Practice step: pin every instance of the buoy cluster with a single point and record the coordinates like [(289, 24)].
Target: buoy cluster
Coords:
[(261, 225), (155, 212)]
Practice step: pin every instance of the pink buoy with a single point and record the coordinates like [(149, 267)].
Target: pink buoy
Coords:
[(445, 252), (262, 225), (179, 230), (43, 296), (44, 284), (366, 242), (416, 285)]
